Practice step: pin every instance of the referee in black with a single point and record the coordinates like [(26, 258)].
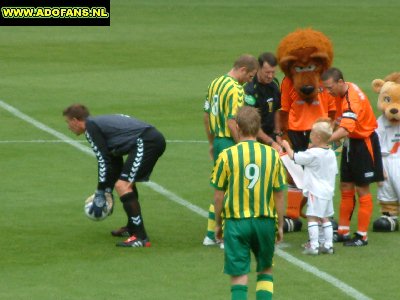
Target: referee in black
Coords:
[(112, 137), (263, 93)]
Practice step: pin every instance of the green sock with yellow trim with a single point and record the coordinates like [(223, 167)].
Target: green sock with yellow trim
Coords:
[(265, 287), (239, 292)]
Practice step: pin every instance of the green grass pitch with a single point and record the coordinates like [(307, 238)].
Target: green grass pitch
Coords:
[(155, 62)]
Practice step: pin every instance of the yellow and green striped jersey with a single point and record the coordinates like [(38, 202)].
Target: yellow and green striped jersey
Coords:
[(225, 95), (248, 172)]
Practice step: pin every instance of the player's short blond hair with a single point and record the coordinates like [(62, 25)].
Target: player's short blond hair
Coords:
[(248, 120), (323, 128)]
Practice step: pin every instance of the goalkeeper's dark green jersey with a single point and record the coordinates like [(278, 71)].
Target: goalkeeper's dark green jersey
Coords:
[(249, 172), (225, 95)]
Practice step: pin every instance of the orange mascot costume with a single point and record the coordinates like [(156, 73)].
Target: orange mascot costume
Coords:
[(303, 56)]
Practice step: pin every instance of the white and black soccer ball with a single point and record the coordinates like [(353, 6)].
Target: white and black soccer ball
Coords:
[(107, 210), (386, 223), (291, 225)]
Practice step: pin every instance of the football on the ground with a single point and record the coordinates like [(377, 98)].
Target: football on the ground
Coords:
[(385, 223), (291, 225), (107, 210)]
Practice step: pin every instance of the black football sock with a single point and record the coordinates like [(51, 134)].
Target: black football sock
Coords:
[(131, 206)]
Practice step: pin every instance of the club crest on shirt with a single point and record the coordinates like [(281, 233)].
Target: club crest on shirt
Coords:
[(369, 174)]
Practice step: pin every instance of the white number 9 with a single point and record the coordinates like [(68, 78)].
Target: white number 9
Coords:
[(252, 173)]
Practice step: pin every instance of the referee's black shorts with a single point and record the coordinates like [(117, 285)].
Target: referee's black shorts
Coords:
[(299, 139), (143, 156), (358, 164)]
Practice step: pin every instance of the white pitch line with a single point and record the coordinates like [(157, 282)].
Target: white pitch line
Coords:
[(84, 141), (158, 188), (188, 141), (35, 141), (345, 288)]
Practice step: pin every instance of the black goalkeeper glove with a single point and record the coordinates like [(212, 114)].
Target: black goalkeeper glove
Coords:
[(99, 204)]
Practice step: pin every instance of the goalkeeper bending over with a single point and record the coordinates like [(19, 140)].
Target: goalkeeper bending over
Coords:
[(112, 137)]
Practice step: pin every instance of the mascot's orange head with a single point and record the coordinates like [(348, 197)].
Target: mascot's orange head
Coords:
[(303, 56)]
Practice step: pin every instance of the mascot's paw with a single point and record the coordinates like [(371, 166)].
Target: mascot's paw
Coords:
[(386, 223), (291, 225)]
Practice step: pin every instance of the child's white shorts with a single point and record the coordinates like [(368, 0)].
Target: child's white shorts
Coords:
[(319, 207)]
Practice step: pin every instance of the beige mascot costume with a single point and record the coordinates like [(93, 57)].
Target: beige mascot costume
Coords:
[(389, 138)]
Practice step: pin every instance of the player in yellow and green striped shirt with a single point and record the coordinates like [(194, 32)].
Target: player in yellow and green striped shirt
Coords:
[(249, 179), (225, 95)]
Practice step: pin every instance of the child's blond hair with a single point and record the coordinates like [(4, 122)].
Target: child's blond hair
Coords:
[(323, 128)]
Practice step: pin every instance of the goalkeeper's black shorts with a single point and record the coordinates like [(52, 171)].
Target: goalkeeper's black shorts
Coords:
[(143, 156)]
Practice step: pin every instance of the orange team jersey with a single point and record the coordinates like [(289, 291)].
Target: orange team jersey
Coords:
[(301, 114), (357, 115), (338, 114)]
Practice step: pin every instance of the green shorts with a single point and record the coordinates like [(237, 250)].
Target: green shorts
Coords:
[(243, 235), (220, 144)]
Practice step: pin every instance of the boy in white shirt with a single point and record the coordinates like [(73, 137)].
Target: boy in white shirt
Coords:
[(320, 169)]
